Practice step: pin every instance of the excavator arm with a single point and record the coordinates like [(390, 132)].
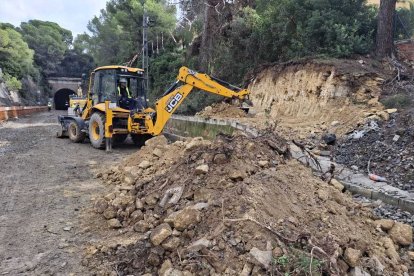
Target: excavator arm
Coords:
[(187, 80)]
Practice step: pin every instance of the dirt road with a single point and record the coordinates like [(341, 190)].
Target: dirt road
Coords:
[(45, 185)]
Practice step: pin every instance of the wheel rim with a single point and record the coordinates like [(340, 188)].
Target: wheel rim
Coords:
[(95, 131), (73, 130)]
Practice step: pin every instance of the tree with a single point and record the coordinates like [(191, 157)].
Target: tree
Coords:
[(384, 41), (16, 59), (49, 42)]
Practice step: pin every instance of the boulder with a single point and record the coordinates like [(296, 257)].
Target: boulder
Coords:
[(401, 234), (262, 258), (352, 256), (157, 141), (202, 169), (141, 226), (160, 233), (144, 164), (337, 185), (114, 223), (384, 224), (184, 218), (171, 244), (100, 205), (109, 213)]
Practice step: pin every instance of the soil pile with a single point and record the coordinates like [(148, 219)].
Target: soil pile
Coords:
[(384, 148), (237, 206), (222, 110)]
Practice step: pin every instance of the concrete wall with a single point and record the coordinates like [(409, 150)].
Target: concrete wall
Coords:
[(17, 111)]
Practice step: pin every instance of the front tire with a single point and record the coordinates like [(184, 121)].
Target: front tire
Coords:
[(75, 133), (97, 130)]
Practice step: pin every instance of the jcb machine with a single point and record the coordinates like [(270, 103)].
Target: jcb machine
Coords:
[(108, 116)]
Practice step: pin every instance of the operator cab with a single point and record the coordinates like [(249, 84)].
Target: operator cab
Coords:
[(122, 86)]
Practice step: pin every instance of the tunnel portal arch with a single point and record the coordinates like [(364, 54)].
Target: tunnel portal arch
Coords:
[(61, 98)]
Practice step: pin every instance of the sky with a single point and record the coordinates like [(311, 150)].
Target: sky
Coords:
[(72, 15)]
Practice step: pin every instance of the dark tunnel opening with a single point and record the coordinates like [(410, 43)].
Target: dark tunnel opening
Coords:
[(62, 98)]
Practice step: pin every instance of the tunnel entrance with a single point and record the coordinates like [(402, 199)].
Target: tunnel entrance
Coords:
[(62, 98)]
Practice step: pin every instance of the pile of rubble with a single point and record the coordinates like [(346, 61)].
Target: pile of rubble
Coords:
[(238, 206), (222, 110), (384, 148)]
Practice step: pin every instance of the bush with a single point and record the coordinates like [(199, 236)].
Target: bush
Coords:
[(397, 101)]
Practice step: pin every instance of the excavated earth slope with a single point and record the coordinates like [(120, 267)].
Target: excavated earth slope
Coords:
[(236, 206), (308, 97)]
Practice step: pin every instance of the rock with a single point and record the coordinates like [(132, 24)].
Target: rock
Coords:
[(220, 159), (329, 138), (352, 256), (157, 141), (114, 223), (110, 213), (197, 142), (137, 215), (100, 205), (263, 163), (151, 199), (164, 267), (337, 185), (208, 109), (200, 206), (122, 201), (384, 224), (391, 110), (262, 258), (129, 180), (335, 123), (293, 220), (247, 269), (202, 169), (171, 243), (139, 204), (384, 115), (185, 218), (411, 255), (153, 259), (173, 272), (199, 244), (401, 234), (110, 196), (237, 175), (144, 164), (357, 271), (160, 233), (157, 152), (323, 194), (141, 226), (390, 249)]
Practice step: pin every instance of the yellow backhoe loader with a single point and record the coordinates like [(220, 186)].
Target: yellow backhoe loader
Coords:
[(108, 116)]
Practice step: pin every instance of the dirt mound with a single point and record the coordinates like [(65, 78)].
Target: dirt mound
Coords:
[(222, 110), (237, 206), (384, 148)]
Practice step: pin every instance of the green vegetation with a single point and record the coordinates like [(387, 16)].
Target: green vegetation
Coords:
[(223, 38)]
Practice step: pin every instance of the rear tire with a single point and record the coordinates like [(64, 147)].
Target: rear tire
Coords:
[(139, 139), (97, 130), (75, 133)]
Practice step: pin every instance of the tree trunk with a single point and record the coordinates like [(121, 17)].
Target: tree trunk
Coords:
[(210, 28), (385, 29)]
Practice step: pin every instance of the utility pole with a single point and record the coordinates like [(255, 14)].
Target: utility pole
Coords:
[(145, 58)]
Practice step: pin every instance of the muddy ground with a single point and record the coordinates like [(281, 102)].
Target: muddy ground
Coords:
[(45, 185)]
